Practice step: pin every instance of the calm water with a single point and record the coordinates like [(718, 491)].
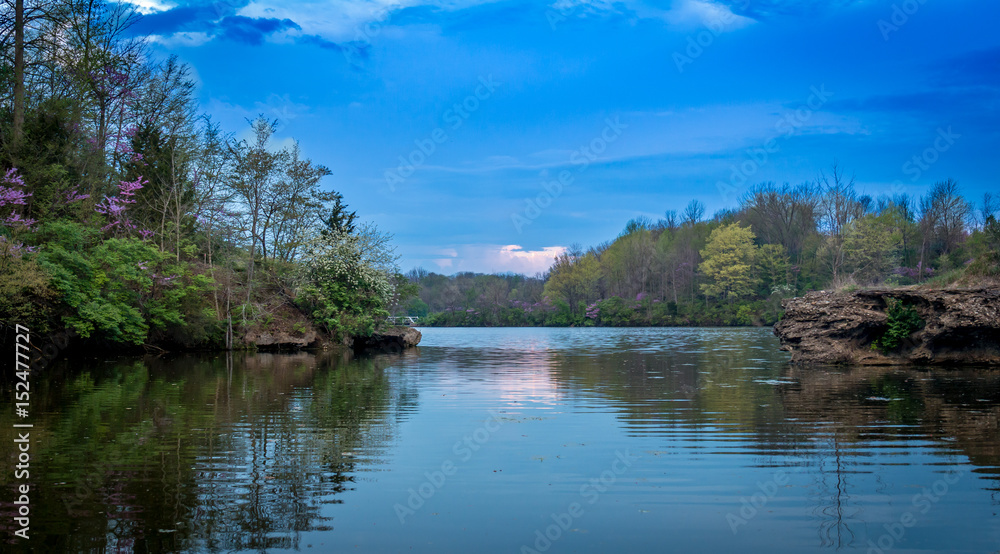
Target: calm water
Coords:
[(511, 440)]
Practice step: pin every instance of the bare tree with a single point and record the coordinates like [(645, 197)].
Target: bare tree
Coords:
[(947, 215), (839, 207), (670, 220), (989, 207), (693, 213), (295, 206), (255, 169), (25, 24), (783, 215)]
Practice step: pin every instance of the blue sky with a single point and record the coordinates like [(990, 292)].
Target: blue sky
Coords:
[(489, 135)]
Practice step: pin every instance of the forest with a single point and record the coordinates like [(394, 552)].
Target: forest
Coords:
[(735, 267), (130, 218)]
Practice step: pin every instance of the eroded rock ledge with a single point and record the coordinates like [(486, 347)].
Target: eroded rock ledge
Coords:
[(961, 326), (393, 339)]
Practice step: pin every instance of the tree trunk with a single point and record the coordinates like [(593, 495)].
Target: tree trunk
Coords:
[(18, 123)]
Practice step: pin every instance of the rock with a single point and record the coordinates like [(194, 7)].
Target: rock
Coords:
[(281, 340), (961, 326), (394, 339)]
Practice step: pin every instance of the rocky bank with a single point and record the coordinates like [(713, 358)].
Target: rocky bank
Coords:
[(960, 326), (393, 339)]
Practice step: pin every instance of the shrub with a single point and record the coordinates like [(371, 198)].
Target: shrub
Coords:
[(349, 280), (903, 320)]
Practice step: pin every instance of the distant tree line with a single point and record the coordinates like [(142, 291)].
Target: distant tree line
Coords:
[(735, 267)]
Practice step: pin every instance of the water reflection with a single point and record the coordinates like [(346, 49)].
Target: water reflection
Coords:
[(734, 450), (227, 452)]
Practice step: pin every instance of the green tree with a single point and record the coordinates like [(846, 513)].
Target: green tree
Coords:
[(339, 219), (349, 280), (872, 245), (573, 278), (772, 265), (729, 257)]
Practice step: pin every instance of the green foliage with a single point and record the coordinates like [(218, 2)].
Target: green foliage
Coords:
[(417, 308), (348, 281), (729, 256), (124, 289), (53, 160), (26, 294), (873, 245), (744, 315), (614, 312), (339, 219), (902, 321), (573, 279), (772, 264)]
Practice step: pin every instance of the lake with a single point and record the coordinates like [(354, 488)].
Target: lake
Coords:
[(510, 440)]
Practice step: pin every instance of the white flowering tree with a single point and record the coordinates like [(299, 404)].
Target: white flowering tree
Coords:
[(348, 279)]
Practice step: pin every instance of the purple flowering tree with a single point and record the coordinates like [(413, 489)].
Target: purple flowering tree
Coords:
[(14, 224), (115, 209)]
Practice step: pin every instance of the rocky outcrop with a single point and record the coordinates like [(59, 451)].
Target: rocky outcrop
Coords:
[(282, 340), (960, 326), (392, 339)]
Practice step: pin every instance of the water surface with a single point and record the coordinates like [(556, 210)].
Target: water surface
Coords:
[(512, 440)]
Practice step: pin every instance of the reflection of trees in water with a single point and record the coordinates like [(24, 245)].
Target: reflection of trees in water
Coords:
[(830, 421), (207, 452), (855, 410), (703, 377), (292, 461), (959, 408), (834, 507)]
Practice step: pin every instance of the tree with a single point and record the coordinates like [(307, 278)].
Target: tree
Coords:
[(255, 170), (693, 213), (943, 219), (783, 215), (989, 208), (27, 25), (294, 207), (729, 257), (873, 244), (670, 220), (340, 219), (840, 206), (573, 278), (772, 263), (349, 280)]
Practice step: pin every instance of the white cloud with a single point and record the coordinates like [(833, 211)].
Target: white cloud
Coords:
[(705, 13), (150, 6), (493, 258)]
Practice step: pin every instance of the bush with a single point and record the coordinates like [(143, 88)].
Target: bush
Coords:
[(902, 320), (123, 289), (349, 281)]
